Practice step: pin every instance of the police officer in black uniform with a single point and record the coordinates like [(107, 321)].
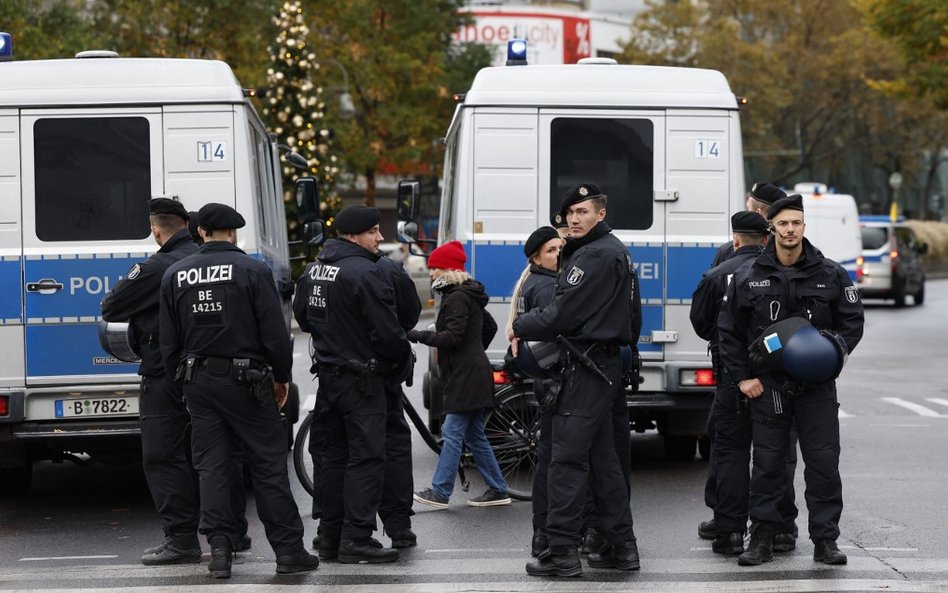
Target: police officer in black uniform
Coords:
[(759, 199), (592, 309), (790, 278), (728, 478), (223, 333), (346, 301), (164, 419)]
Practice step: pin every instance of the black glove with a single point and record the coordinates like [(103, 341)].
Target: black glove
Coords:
[(416, 335), (758, 360)]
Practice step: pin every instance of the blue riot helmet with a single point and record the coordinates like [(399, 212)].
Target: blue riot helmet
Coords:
[(540, 360), (118, 339), (798, 349)]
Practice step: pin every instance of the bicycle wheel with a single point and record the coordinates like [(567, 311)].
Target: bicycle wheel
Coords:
[(302, 460), (513, 430)]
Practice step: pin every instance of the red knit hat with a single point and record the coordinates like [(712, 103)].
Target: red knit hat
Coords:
[(449, 256)]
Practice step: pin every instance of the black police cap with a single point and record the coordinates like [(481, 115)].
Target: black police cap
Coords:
[(794, 202), (579, 193), (767, 193), (750, 223), (538, 238), (356, 219), (167, 206), (215, 217)]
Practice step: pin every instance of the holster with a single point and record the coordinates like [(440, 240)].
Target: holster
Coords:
[(261, 384)]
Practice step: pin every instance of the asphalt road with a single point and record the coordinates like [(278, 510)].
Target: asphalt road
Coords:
[(84, 528)]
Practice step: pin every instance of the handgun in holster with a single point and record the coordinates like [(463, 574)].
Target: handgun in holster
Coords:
[(185, 371)]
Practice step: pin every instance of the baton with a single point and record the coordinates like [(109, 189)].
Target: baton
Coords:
[(583, 358)]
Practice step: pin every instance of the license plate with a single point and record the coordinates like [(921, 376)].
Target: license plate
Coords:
[(96, 406)]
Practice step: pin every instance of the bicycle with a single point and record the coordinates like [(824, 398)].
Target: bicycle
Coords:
[(512, 428)]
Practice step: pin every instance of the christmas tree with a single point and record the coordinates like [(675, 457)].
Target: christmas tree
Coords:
[(293, 108)]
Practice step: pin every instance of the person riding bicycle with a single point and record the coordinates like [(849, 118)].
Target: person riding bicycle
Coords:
[(462, 331)]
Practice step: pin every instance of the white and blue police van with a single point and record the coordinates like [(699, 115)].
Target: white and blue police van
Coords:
[(84, 144), (663, 143)]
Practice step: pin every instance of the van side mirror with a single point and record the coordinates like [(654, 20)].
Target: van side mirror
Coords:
[(408, 200), (307, 199), (314, 235), (407, 231)]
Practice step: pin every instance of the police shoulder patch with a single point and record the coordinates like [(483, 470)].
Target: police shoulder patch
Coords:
[(134, 272), (852, 295), (574, 276)]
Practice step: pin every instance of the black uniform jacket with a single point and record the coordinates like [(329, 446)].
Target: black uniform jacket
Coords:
[(537, 290), (465, 370), (723, 253), (135, 299), (345, 300), (708, 296), (593, 299), (765, 292), (222, 302), (407, 303)]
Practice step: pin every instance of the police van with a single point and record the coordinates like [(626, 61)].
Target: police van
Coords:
[(84, 144), (832, 225), (665, 146)]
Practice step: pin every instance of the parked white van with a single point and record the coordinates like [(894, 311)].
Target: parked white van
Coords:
[(664, 144), (84, 144), (832, 225)]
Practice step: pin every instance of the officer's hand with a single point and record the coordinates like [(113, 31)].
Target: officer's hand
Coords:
[(280, 392), (752, 388), (510, 334)]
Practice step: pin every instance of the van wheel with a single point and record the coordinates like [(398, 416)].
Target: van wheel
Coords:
[(16, 481), (920, 295), (898, 292), (680, 448)]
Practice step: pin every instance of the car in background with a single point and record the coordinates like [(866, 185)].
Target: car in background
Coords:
[(891, 264), (415, 265)]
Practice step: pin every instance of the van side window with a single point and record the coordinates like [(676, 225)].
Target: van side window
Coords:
[(874, 237), (93, 178), (616, 154)]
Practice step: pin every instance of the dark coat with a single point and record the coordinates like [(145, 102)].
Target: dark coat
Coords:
[(460, 338)]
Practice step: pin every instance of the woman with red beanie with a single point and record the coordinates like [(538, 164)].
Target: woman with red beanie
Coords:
[(462, 332)]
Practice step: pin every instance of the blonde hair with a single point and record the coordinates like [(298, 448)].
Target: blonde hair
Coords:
[(515, 299)]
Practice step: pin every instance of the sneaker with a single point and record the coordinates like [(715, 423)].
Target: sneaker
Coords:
[(431, 498), (490, 498)]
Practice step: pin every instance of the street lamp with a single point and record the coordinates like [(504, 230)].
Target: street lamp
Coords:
[(346, 105)]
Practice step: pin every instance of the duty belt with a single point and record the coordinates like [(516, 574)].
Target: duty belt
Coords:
[(350, 366)]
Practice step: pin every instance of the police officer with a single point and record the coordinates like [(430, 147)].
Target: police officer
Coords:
[(223, 333), (728, 479), (164, 419), (759, 199), (790, 278), (346, 301), (592, 309)]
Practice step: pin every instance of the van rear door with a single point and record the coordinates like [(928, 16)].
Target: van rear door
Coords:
[(87, 177)]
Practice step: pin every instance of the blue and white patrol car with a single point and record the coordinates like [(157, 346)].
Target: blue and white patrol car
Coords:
[(663, 143), (84, 144)]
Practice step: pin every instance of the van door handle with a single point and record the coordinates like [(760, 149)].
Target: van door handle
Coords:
[(44, 286)]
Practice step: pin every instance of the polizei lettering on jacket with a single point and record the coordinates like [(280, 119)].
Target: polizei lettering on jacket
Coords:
[(206, 275), (323, 272)]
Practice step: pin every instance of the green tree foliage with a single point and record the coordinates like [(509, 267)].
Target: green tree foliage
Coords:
[(48, 29), (919, 28), (396, 55)]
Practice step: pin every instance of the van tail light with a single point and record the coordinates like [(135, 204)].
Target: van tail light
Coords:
[(860, 268), (894, 258), (4, 405), (698, 378), (501, 378)]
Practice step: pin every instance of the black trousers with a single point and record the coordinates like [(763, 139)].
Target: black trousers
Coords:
[(584, 455), (395, 509), (815, 414), (222, 410), (353, 424)]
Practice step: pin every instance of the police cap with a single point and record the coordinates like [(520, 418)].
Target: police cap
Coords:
[(215, 217), (356, 219), (750, 223), (167, 206), (538, 239), (579, 193), (794, 202), (767, 193)]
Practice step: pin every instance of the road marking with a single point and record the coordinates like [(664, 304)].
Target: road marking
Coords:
[(42, 558), (938, 400), (478, 550), (309, 404), (842, 414), (917, 408)]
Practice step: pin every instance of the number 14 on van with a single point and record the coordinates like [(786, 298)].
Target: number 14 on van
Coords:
[(211, 151), (707, 149)]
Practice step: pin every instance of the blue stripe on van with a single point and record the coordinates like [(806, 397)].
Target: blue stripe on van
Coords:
[(69, 349), (11, 291)]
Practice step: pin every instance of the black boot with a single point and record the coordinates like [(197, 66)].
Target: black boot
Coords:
[(327, 547), (708, 529), (593, 542), (243, 544), (728, 543), (365, 551), (539, 543), (178, 548), (301, 561), (404, 538), (761, 546), (624, 556), (221, 557), (561, 562), (827, 552), (784, 542)]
